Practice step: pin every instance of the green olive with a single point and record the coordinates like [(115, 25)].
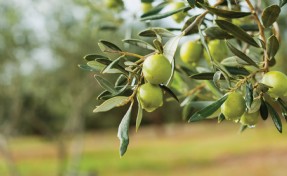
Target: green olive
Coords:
[(156, 69), (178, 17), (145, 6), (217, 49), (233, 107), (112, 4), (278, 83), (190, 52), (150, 96), (249, 119)]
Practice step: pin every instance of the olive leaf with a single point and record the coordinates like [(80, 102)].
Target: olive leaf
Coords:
[(155, 10), (249, 95), (225, 13), (215, 32), (154, 31), (169, 91), (105, 84), (282, 2), (92, 57), (164, 15), (275, 117), (107, 46), (123, 131), (237, 32), (139, 114), (241, 55), (207, 111), (270, 15), (111, 103), (272, 46), (88, 68), (283, 107), (139, 43)]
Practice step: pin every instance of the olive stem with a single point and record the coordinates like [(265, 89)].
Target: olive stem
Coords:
[(261, 33)]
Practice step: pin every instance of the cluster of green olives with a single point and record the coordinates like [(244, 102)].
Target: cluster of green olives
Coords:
[(234, 107), (156, 70)]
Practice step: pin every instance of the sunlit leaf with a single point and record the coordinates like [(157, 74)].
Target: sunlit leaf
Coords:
[(270, 15), (106, 46), (155, 10), (207, 111), (139, 43), (111, 103), (123, 131), (139, 114), (154, 31), (164, 15)]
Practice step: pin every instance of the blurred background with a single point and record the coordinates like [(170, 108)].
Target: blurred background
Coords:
[(46, 122)]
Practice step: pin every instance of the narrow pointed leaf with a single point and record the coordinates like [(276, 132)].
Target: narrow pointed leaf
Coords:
[(153, 32), (243, 128), (155, 10), (270, 15), (237, 32), (92, 57), (204, 76), (241, 55), (225, 13), (191, 2), (215, 32), (87, 68), (108, 46), (272, 46), (249, 95), (207, 111), (105, 84), (115, 65), (283, 106), (139, 114), (123, 131), (111, 103), (139, 43), (188, 23), (164, 15), (221, 118), (170, 92), (275, 117), (282, 2)]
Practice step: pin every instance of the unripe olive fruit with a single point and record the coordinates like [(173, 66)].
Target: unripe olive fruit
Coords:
[(150, 96), (217, 49), (278, 83), (178, 17), (190, 52), (233, 107), (156, 69), (146, 6), (249, 119), (113, 3)]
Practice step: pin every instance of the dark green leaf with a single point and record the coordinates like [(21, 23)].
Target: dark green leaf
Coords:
[(108, 46), (155, 10), (139, 114), (164, 15), (188, 23), (111, 103), (241, 55), (233, 61), (215, 32), (123, 131), (249, 27), (275, 117), (204, 76), (115, 65), (270, 15), (237, 71), (105, 84), (237, 32), (221, 117), (170, 92), (105, 95), (153, 32), (122, 79), (92, 57), (225, 13), (282, 2), (139, 43), (191, 2), (272, 46), (158, 45), (207, 111), (249, 95), (243, 128), (283, 106)]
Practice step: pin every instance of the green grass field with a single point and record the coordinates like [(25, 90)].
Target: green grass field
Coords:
[(200, 149)]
